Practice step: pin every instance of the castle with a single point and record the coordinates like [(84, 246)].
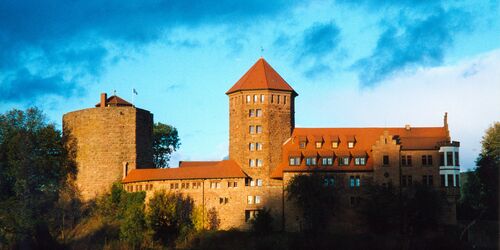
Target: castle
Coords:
[(113, 142)]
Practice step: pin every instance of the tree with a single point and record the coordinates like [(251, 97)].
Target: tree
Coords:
[(314, 199), (165, 141), (380, 208), (170, 215), (213, 219), (34, 166), (262, 224)]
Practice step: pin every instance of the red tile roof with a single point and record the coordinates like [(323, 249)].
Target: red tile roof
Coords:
[(223, 169), (413, 139), (261, 76), (115, 101)]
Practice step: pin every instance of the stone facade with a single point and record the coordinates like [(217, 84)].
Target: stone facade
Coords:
[(107, 140)]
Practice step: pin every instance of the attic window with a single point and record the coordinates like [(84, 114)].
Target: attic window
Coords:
[(302, 141), (335, 141), (351, 140), (319, 144), (318, 141)]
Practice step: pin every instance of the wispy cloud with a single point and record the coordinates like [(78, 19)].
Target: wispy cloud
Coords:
[(68, 41)]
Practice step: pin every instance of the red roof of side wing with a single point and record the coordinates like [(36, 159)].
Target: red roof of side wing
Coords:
[(261, 76)]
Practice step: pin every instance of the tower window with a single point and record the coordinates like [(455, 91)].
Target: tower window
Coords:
[(258, 146), (272, 98), (248, 99), (251, 163), (262, 98), (255, 98), (259, 129), (294, 161), (258, 112), (279, 99), (284, 99), (251, 129), (259, 182), (259, 163), (251, 146), (251, 112), (311, 161)]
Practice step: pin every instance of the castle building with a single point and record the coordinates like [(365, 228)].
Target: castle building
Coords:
[(266, 150)]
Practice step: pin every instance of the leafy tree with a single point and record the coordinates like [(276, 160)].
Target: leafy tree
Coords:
[(34, 166), (262, 224), (314, 199), (380, 208), (170, 215), (422, 208), (165, 141), (213, 219)]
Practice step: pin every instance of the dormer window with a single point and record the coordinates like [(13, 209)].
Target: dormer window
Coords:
[(302, 142), (311, 161), (360, 161), (351, 141), (335, 141), (318, 141), (294, 161), (319, 144), (343, 161)]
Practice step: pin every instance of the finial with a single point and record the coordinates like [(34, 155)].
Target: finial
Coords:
[(261, 51), (114, 92), (445, 120)]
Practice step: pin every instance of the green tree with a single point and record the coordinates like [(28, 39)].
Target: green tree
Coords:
[(165, 141), (213, 219), (34, 166), (169, 216), (380, 208), (314, 199)]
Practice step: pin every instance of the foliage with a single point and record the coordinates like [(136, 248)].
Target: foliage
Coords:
[(422, 208), (480, 192), (34, 166), (262, 224), (213, 219), (313, 198), (165, 141), (380, 208), (170, 215)]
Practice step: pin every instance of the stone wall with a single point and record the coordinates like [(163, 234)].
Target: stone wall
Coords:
[(105, 139)]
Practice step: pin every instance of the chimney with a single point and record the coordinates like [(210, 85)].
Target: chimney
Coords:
[(407, 127), (104, 97)]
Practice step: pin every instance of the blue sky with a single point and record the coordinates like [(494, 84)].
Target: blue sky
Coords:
[(353, 63)]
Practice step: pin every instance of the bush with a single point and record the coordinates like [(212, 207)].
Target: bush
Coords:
[(262, 224), (213, 219)]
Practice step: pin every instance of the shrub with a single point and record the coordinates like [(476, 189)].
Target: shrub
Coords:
[(262, 224)]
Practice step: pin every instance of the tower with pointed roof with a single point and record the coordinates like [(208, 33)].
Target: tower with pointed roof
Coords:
[(261, 119)]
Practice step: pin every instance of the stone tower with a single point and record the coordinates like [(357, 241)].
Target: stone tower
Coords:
[(109, 140), (261, 119)]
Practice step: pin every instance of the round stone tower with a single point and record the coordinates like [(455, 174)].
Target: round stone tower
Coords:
[(109, 140)]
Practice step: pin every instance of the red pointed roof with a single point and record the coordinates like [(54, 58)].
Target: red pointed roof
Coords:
[(261, 76)]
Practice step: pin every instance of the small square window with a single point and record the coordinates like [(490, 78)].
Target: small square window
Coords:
[(251, 129), (259, 163), (257, 199), (335, 144), (258, 113), (250, 199), (350, 144), (302, 144), (259, 129), (251, 162), (251, 146), (251, 112), (344, 161), (319, 144), (259, 182)]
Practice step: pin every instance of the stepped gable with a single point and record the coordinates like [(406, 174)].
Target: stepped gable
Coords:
[(261, 76), (115, 101), (420, 138), (223, 169)]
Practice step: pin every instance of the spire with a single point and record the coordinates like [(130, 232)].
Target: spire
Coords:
[(261, 76)]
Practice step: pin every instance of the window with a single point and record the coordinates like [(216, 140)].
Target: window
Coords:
[(449, 158), (385, 160), (429, 160), (360, 161), (272, 98), (251, 146), (427, 180), (443, 183), (294, 161), (406, 180), (250, 199), (441, 159), (335, 144), (350, 144), (249, 182), (255, 98), (302, 144), (259, 163), (257, 199), (457, 163), (329, 181), (251, 162), (214, 184), (284, 99), (344, 161), (259, 182), (457, 180), (235, 184), (327, 161), (259, 129), (311, 161), (250, 214), (176, 185), (251, 129), (229, 184), (424, 160), (262, 98), (258, 112), (259, 146), (406, 160), (251, 112), (279, 99), (319, 144), (450, 180), (187, 185), (248, 99), (354, 181)]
